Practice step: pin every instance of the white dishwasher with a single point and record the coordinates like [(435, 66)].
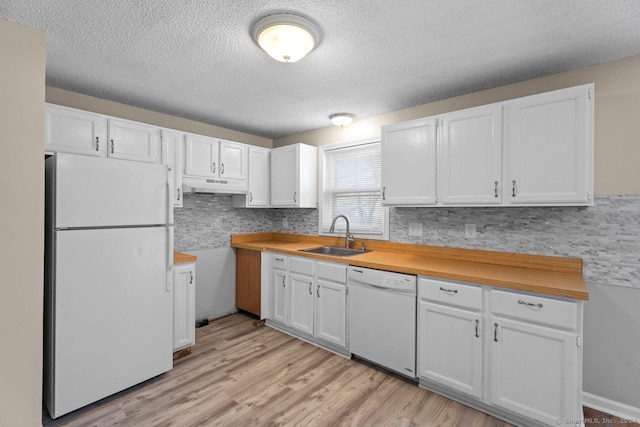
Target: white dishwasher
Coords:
[(382, 318)]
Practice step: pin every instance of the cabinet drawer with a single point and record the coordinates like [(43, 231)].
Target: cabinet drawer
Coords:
[(304, 266), (279, 261), (459, 294), (332, 271), (550, 311)]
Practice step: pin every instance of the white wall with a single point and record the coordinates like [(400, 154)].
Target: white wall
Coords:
[(22, 67)]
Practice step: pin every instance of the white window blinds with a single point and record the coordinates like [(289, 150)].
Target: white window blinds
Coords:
[(352, 187)]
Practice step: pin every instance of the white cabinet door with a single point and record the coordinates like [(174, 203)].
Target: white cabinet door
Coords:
[(284, 173), (68, 130), (233, 160), (450, 347), (280, 296), (171, 143), (470, 157), (259, 179), (133, 141), (184, 305), (409, 163), (294, 176), (533, 370), (331, 309), (201, 156), (549, 158), (301, 303)]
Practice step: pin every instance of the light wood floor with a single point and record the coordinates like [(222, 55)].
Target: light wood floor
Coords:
[(242, 375)]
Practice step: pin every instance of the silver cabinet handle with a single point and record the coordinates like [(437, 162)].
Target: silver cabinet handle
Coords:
[(295, 197), (384, 190), (112, 146), (178, 190), (318, 291), (310, 293), (283, 285), (477, 326), (97, 143), (191, 280), (221, 168), (279, 259), (530, 304), (495, 332), (250, 197), (214, 167), (451, 291), (514, 187), (495, 189)]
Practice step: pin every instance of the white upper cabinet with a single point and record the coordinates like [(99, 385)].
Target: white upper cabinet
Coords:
[(531, 151), (68, 130), (201, 156), (133, 141), (172, 152), (294, 176), (259, 180), (233, 160), (409, 163), (549, 151), (470, 157), (222, 163)]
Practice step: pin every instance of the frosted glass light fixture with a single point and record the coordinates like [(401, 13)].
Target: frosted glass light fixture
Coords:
[(286, 37), (341, 119)]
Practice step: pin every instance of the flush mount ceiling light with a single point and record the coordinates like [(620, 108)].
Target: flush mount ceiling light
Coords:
[(341, 119), (286, 37)]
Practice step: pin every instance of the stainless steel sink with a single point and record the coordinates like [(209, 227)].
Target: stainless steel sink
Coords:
[(334, 251)]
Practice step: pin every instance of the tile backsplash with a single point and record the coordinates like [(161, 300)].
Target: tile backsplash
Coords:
[(606, 236)]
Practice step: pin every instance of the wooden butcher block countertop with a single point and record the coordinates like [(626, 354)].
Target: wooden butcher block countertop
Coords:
[(548, 275), (181, 257)]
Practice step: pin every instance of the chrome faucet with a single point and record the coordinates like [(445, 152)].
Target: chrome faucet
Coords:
[(348, 238)]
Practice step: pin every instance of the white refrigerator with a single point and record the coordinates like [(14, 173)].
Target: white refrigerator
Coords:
[(109, 278)]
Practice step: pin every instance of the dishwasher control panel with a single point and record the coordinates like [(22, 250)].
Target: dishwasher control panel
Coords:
[(382, 279)]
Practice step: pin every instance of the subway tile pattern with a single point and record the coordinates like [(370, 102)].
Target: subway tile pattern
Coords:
[(606, 236)]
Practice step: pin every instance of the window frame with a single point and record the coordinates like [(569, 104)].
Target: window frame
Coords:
[(321, 190)]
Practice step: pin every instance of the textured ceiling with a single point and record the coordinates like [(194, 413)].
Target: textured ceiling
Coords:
[(196, 59)]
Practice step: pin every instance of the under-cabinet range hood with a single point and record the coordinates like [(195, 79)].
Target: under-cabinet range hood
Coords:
[(214, 185)]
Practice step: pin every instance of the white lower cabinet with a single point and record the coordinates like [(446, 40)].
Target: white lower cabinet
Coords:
[(301, 276), (184, 305), (331, 303), (306, 297), (514, 355), (450, 335), (279, 289)]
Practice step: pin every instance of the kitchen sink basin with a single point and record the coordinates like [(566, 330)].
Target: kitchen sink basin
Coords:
[(334, 251)]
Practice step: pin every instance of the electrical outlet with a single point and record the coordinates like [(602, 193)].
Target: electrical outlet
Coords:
[(415, 229), (469, 231), (285, 222)]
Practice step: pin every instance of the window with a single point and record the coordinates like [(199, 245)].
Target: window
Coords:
[(351, 185)]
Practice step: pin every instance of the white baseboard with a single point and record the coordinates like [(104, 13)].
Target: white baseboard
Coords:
[(612, 407)]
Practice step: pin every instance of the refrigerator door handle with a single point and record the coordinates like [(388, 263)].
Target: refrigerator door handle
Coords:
[(169, 258)]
